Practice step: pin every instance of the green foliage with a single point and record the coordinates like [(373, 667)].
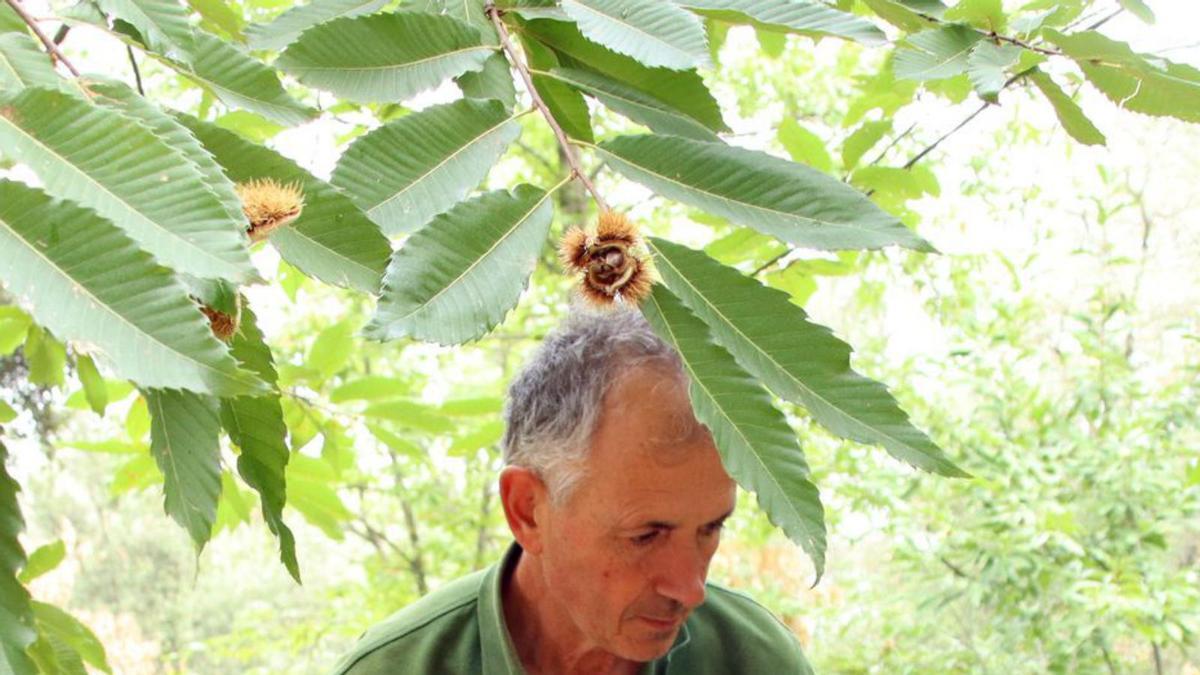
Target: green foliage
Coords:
[(17, 629), (456, 279), (757, 446), (774, 196), (411, 169), (384, 57), (138, 225), (657, 34)]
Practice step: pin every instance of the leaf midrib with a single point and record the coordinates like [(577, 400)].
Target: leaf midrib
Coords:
[(445, 160), (137, 329), (725, 319), (650, 37), (692, 188), (394, 66), (729, 420), (103, 188), (474, 263)]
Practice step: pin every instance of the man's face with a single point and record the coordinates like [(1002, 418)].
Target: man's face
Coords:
[(627, 553)]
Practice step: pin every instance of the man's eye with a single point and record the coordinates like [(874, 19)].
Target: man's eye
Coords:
[(644, 539), (713, 529)]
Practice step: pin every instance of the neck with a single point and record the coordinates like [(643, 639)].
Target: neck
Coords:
[(546, 638)]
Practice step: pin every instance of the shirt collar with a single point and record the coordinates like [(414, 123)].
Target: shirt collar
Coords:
[(499, 652)]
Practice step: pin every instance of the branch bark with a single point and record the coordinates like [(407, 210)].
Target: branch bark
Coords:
[(51, 46), (568, 150)]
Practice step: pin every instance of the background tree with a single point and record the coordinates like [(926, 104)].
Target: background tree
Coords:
[(136, 242)]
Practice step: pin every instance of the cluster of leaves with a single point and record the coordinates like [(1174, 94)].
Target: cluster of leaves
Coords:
[(136, 225)]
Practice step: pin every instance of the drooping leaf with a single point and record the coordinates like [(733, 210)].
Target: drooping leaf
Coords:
[(494, 81), (657, 34), (384, 57), (127, 174), (415, 167), (46, 356), (43, 559), (88, 275), (10, 22), (7, 414), (456, 278), (800, 361), (218, 17), (162, 24), (310, 493), (24, 64), (795, 203), (370, 388), (985, 14), (863, 139), (139, 473), (987, 67), (241, 81), (332, 349), (256, 426), (52, 655), (1141, 83), (332, 240), (566, 104), (234, 507), (93, 383), (17, 627), (412, 415), (185, 432), (936, 54), (63, 628), (1139, 9), (14, 325), (798, 16), (757, 446), (901, 16), (684, 91), (634, 104), (285, 28), (803, 145), (1070, 115), (119, 96)]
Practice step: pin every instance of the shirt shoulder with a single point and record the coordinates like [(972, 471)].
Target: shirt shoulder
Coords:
[(437, 633), (731, 632)]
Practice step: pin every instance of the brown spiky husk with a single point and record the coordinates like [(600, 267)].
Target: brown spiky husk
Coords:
[(573, 251), (614, 226), (269, 205), (223, 325), (635, 285)]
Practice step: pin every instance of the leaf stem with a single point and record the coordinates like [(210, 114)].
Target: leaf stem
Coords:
[(568, 150), (50, 44)]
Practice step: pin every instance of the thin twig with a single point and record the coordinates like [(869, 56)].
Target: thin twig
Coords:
[(50, 44), (568, 149), (929, 148), (137, 74), (1106, 19), (902, 136)]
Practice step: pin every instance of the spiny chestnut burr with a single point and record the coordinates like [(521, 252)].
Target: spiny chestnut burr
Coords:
[(269, 205), (609, 263)]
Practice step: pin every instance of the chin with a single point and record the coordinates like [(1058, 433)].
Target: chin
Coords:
[(649, 645)]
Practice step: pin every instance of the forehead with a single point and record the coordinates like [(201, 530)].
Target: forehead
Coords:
[(649, 453)]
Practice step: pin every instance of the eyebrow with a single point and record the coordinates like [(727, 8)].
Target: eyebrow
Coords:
[(667, 525)]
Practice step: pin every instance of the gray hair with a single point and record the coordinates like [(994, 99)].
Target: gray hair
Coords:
[(555, 402)]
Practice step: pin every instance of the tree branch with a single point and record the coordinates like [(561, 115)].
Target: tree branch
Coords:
[(137, 74), (51, 46), (568, 149)]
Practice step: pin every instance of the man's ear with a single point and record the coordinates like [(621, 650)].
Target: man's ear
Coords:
[(524, 496)]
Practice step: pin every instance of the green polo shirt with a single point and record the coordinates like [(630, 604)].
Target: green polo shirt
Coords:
[(459, 629)]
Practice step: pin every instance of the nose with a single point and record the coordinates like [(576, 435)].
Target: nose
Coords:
[(681, 575)]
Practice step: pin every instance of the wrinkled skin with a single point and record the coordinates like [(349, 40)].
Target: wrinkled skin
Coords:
[(608, 575)]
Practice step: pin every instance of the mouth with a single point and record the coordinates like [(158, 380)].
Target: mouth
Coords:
[(660, 624)]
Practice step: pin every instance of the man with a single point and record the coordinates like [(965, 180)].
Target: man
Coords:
[(615, 496)]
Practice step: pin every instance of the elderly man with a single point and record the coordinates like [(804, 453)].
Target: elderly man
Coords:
[(615, 496)]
